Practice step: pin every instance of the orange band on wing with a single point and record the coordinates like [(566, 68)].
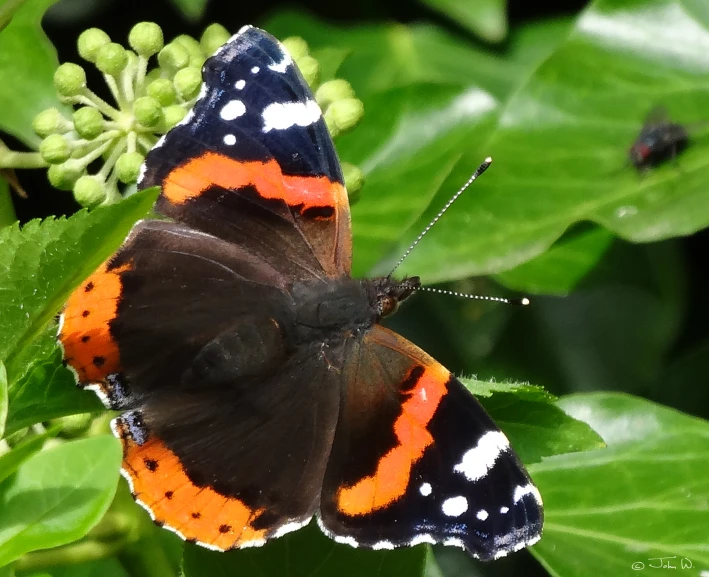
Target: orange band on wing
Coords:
[(160, 484), (391, 478), (88, 346), (197, 175)]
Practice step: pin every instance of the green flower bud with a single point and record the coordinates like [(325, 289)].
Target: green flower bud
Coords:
[(146, 38), (333, 90), (89, 191), (147, 111), (193, 48), (162, 90), (64, 176), (90, 41), (310, 69), (69, 79), (187, 82), (55, 149), (88, 122), (48, 122), (73, 425), (171, 116), (128, 166), (153, 74), (297, 47), (343, 115), (173, 57), (354, 179), (111, 59), (213, 37)]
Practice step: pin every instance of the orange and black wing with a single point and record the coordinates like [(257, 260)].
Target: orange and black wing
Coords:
[(225, 431), (417, 460), (254, 164)]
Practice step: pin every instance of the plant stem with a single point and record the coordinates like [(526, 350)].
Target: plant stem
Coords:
[(80, 552), (12, 159)]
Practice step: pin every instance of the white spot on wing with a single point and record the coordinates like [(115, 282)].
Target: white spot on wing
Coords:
[(100, 394), (379, 545), (255, 70), (419, 539), (521, 491), (482, 514), (283, 65), (346, 540), (351, 541), (424, 396), (290, 527), (476, 462), (425, 489), (232, 109), (504, 510), (455, 542), (454, 506), (230, 140), (282, 115), (239, 85)]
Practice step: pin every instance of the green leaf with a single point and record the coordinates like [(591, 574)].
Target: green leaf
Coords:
[(58, 495), (3, 399), (13, 459), (535, 425), (47, 389), (486, 18), (382, 57), (560, 269), (560, 145), (645, 496), (27, 64), (44, 261), (191, 9), (109, 567), (409, 135), (304, 553)]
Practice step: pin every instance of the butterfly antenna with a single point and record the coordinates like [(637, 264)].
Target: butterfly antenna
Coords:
[(482, 168), (524, 301)]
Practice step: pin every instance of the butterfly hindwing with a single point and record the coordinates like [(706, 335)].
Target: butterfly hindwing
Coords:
[(417, 460), (254, 163)]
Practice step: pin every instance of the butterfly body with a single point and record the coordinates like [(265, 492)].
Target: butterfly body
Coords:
[(258, 388)]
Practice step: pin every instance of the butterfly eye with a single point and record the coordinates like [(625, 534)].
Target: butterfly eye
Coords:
[(388, 305)]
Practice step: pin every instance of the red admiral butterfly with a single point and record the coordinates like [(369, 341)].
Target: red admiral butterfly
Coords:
[(256, 385)]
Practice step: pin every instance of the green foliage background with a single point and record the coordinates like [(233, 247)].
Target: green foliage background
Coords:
[(616, 330)]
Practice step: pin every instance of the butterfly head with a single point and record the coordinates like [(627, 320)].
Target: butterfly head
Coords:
[(389, 293)]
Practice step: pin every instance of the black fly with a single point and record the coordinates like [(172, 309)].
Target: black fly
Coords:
[(660, 139)]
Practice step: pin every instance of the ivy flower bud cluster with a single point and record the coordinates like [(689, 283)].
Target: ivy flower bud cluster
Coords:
[(95, 148)]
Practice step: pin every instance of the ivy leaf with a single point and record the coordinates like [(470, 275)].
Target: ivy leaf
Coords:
[(13, 459), (3, 399), (58, 495), (27, 64), (192, 10), (486, 18), (304, 553), (643, 497), (530, 417), (560, 145), (561, 268)]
